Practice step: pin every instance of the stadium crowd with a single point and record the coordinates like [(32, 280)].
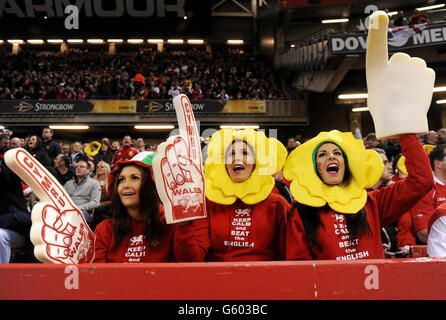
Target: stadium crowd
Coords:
[(83, 168), (144, 74)]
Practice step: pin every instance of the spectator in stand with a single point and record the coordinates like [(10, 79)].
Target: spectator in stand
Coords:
[(390, 231), (386, 177), (138, 82), (174, 90), (14, 143), (441, 136), (138, 214), (15, 220), (81, 75), (92, 168), (115, 146), (126, 152), (356, 129), (51, 147), (35, 148), (103, 211), (4, 145), (436, 243), (64, 170), (66, 148), (398, 22), (418, 17), (76, 148), (317, 231), (140, 145), (83, 190), (292, 144), (371, 141), (239, 190), (416, 225), (431, 138), (105, 153)]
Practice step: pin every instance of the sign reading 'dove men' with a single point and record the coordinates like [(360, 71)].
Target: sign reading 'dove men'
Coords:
[(348, 43)]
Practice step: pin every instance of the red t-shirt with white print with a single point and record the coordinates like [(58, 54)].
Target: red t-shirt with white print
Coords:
[(383, 206), (242, 232), (178, 243)]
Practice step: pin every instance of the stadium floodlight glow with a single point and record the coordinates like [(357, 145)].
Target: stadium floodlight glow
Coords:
[(335, 20), (443, 101), (35, 41), (155, 40), (435, 6), (15, 41), (75, 41), (95, 41), (115, 40), (2, 127), (392, 13), (239, 126), (175, 40), (135, 40), (234, 41), (359, 109), (154, 126), (293, 46), (1, 41), (439, 89), (365, 95), (195, 41), (353, 96), (54, 40), (69, 127)]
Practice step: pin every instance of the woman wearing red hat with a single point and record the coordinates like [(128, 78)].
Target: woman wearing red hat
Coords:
[(137, 231)]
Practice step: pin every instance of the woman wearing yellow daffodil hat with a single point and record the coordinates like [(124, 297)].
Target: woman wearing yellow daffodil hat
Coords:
[(247, 221), (335, 217)]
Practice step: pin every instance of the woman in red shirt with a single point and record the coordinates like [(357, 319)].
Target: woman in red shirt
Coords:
[(137, 231), (335, 217), (247, 221)]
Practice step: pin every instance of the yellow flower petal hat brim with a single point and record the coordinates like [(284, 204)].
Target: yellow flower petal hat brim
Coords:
[(365, 166), (401, 166), (270, 155)]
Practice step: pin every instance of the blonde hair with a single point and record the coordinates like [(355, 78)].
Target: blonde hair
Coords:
[(107, 172)]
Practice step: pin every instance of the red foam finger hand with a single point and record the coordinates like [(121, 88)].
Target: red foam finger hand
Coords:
[(188, 127), (172, 158), (167, 174), (59, 231), (178, 169)]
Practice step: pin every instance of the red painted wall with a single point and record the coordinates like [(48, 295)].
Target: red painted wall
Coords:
[(414, 278)]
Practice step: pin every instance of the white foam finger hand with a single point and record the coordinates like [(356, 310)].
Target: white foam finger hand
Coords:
[(397, 106), (377, 52)]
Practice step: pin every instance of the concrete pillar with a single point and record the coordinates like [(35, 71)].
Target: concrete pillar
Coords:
[(208, 48), (15, 48), (160, 46), (112, 49), (63, 47)]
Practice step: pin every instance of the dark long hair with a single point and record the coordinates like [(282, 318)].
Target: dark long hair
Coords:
[(149, 209), (39, 143), (357, 223)]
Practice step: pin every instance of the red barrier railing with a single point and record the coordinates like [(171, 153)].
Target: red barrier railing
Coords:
[(414, 278)]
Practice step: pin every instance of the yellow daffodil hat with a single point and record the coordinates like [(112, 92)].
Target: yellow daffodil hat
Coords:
[(307, 187), (270, 156), (401, 166)]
